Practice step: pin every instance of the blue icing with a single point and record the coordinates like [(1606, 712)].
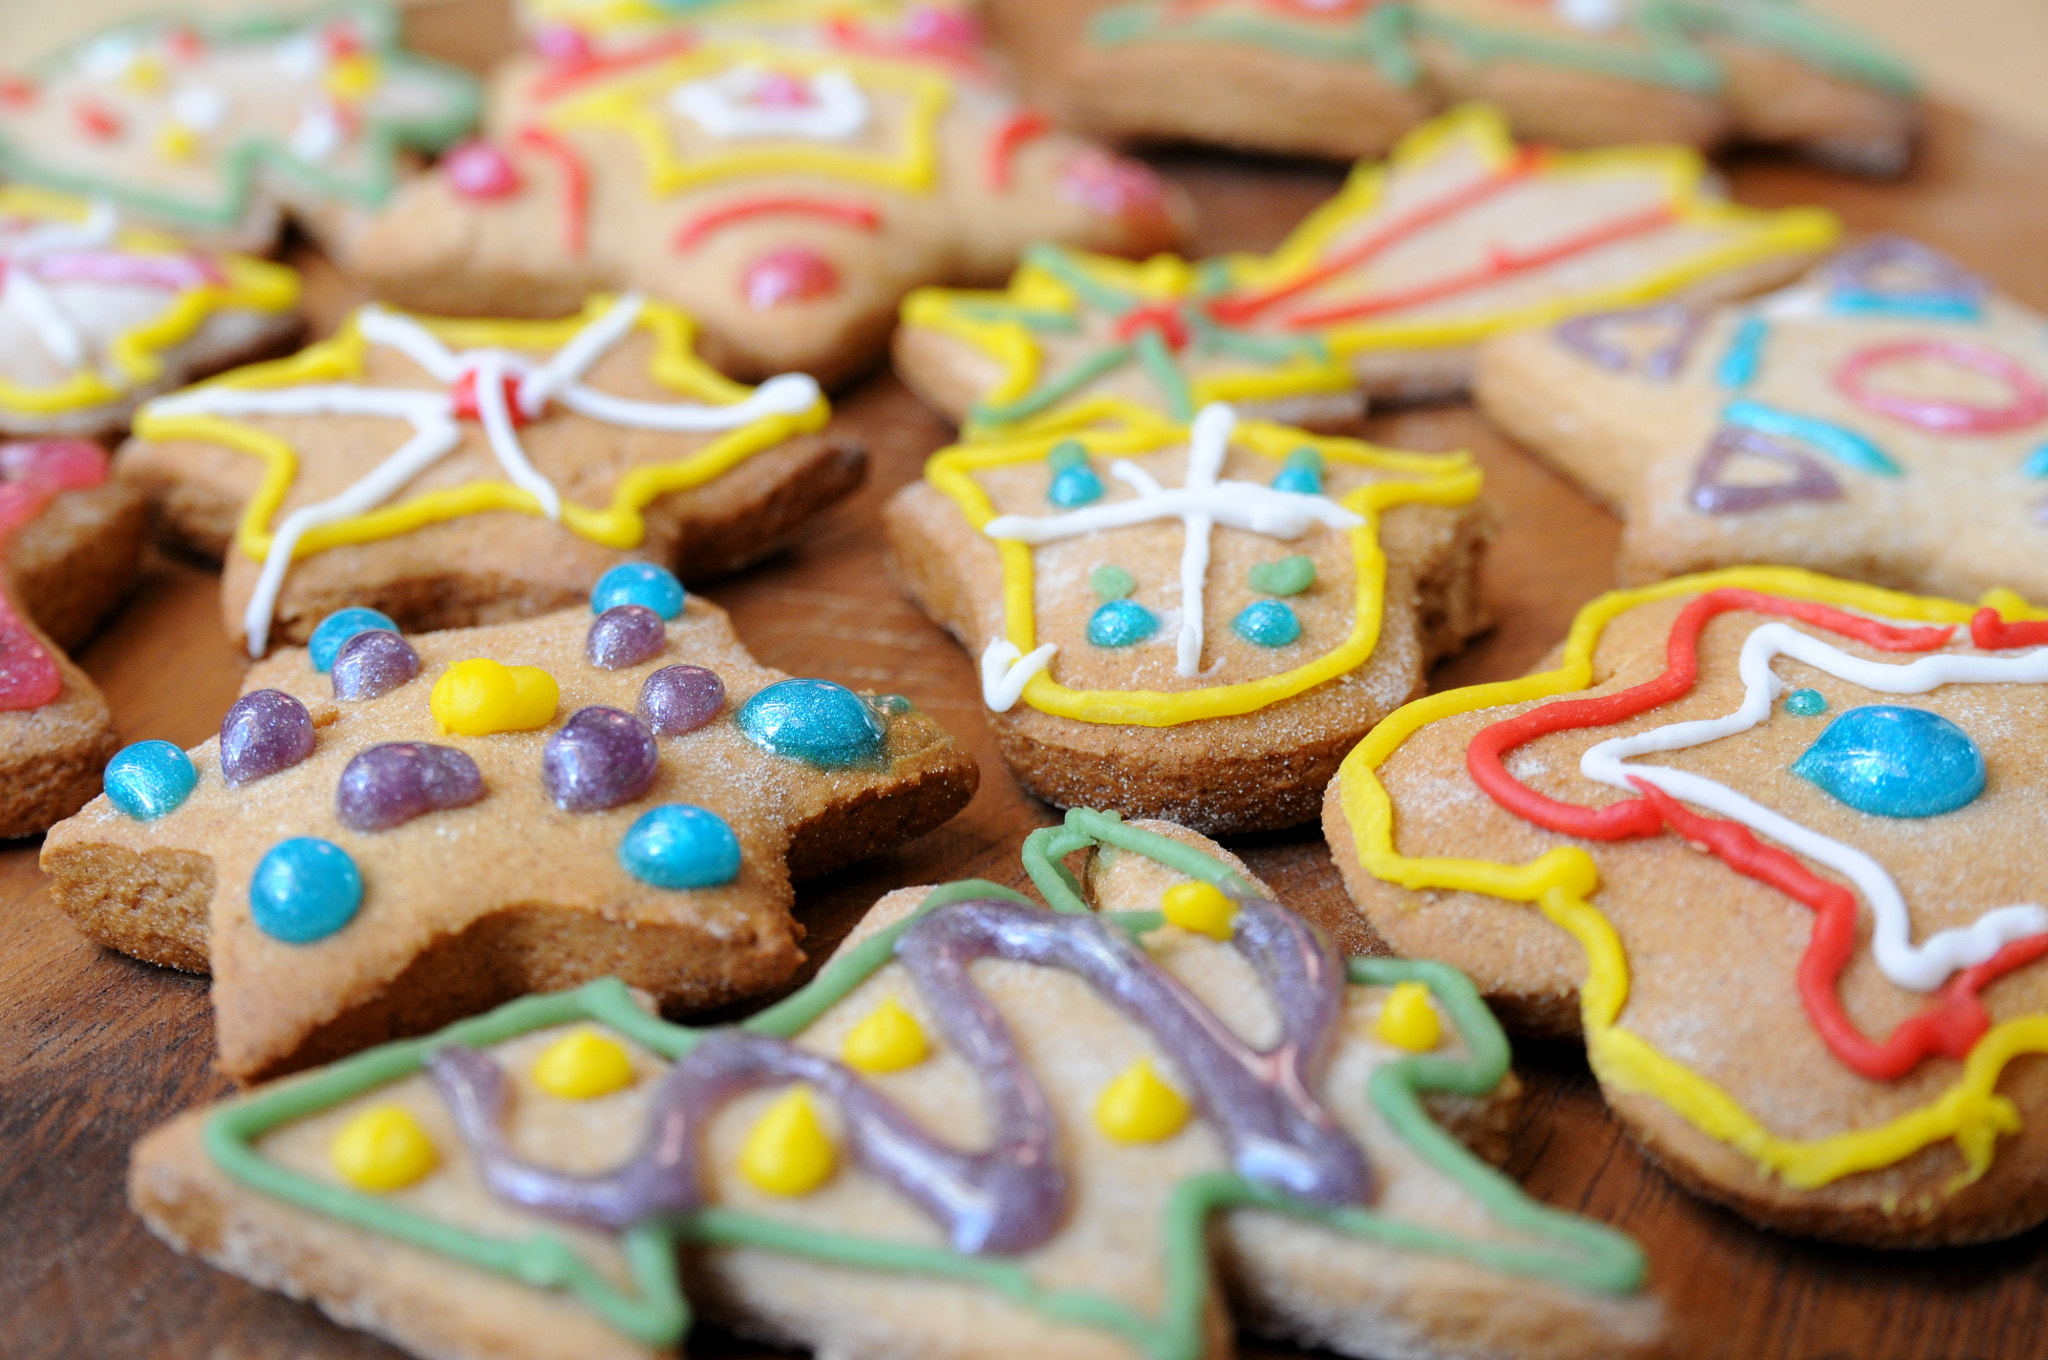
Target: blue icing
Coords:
[(1924, 306), (815, 721), (640, 583), (1074, 486), (1269, 623), (680, 846), (1120, 623), (1739, 364), (337, 628), (2037, 463), (304, 890), (150, 779), (1838, 442), (1894, 761), (1303, 473), (1806, 703)]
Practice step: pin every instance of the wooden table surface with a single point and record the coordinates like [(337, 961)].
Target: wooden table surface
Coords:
[(95, 1049)]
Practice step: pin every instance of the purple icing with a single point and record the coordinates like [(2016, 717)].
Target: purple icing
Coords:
[(1587, 335), (389, 785), (1935, 278), (266, 731), (599, 759), (1809, 481), (1011, 1196), (373, 663), (679, 699), (625, 635)]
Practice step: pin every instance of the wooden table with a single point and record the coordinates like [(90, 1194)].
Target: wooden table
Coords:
[(95, 1048)]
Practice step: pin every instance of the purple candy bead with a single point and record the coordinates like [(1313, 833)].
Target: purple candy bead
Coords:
[(373, 663), (389, 785), (266, 731), (599, 759), (625, 635), (679, 699)]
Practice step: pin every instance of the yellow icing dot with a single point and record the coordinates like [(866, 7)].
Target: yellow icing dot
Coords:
[(583, 1065), (1407, 1020), (353, 77), (787, 1151), (144, 74), (382, 1149), (178, 143), (478, 697), (889, 1040), (1140, 1108), (1200, 907)]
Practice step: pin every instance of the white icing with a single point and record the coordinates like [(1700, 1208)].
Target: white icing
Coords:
[(108, 58), (1005, 671), (729, 105), (317, 134), (1922, 967), (299, 56), (1597, 15), (28, 299), (199, 107)]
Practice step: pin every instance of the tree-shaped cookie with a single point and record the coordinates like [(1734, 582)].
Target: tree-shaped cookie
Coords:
[(438, 823), (1194, 622), (457, 472), (787, 182), (1767, 841), (1886, 419), (219, 131), (917, 1156), (1384, 290)]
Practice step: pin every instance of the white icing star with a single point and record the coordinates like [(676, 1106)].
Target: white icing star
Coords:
[(751, 101)]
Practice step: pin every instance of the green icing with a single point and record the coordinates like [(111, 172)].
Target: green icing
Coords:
[(1379, 35), (1112, 582), (1288, 576)]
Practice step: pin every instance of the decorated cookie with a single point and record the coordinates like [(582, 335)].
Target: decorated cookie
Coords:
[(1384, 290), (1124, 1127), (1195, 622), (218, 132), (787, 182), (1347, 77), (457, 472), (1758, 855), (1885, 419), (69, 544), (391, 832)]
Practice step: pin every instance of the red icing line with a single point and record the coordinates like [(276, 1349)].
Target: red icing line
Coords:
[(859, 215), (17, 91), (1163, 317), (1994, 634), (2028, 405), (575, 183), (573, 72), (96, 120), (31, 475), (1017, 129)]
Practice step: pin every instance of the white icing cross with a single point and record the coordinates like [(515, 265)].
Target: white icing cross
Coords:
[(750, 101), (1200, 504), (36, 256), (437, 430)]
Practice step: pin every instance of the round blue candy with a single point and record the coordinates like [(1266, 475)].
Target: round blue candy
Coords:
[(1806, 703), (1074, 486), (1121, 623), (1894, 761), (337, 628), (304, 890), (1303, 473), (814, 721), (640, 583), (680, 846), (150, 779), (1268, 623)]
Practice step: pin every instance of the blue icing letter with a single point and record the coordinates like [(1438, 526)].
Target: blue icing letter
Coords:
[(304, 890), (640, 583), (1895, 761), (814, 721), (1121, 623), (680, 846), (1269, 623), (149, 779), (337, 628)]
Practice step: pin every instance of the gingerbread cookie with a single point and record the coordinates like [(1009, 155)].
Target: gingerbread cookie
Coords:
[(459, 472), (393, 832), (1345, 78), (787, 182), (69, 544), (219, 132), (1185, 1107), (1383, 291), (1871, 421), (1192, 622), (1759, 855)]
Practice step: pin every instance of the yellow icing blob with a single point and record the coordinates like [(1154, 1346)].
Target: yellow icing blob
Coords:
[(1201, 907), (583, 1066), (889, 1040), (353, 77), (144, 75), (382, 1149), (1408, 1020), (1140, 1108), (177, 142), (788, 1152), (478, 697)]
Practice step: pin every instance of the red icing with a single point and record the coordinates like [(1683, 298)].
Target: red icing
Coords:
[(1994, 634), (578, 64), (780, 90), (480, 170), (575, 183), (464, 395), (792, 274), (563, 44), (31, 474), (341, 41), (1114, 186), (1017, 129), (96, 120), (184, 43), (927, 33), (17, 92), (2029, 403), (859, 215), (1163, 317)]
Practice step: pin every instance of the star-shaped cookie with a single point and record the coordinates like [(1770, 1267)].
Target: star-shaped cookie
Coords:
[(1104, 1141), (1886, 419)]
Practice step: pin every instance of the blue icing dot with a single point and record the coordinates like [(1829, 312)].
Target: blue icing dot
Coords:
[(1303, 473), (640, 583), (1121, 623), (149, 779), (1895, 762), (304, 890), (1075, 486), (1806, 703), (814, 721), (680, 846), (337, 628), (1269, 623)]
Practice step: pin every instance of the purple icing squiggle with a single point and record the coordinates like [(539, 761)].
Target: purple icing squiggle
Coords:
[(1809, 481), (1586, 335)]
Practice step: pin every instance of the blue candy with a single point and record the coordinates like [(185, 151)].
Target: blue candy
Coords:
[(1121, 623), (640, 583), (1303, 473), (1075, 486), (304, 890), (814, 721), (1268, 623), (680, 846), (149, 779), (337, 628), (1894, 761), (1806, 703)]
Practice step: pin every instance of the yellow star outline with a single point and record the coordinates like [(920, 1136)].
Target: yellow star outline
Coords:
[(606, 17)]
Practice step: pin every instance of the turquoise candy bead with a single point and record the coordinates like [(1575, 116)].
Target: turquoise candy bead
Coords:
[(337, 628), (1894, 761), (640, 583), (1806, 703), (680, 846), (149, 779), (1267, 623), (1120, 623), (1303, 473), (1073, 481), (1111, 583), (304, 890), (814, 721), (1288, 576)]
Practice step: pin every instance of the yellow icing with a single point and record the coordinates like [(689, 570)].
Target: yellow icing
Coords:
[(612, 16), (787, 1151), (1140, 1108), (583, 1065), (1407, 1020), (1561, 884), (353, 77), (177, 142), (382, 1149), (145, 74), (1201, 907), (478, 697), (889, 1040)]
